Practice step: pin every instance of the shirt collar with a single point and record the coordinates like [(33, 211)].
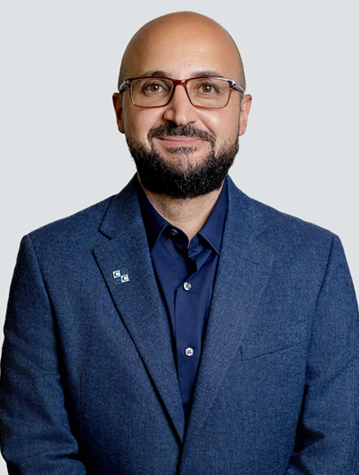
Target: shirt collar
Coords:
[(211, 231), (153, 221)]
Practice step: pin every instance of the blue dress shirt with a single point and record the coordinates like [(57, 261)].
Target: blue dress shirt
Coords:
[(185, 276)]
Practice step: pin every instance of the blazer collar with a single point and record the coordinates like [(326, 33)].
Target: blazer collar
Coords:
[(123, 213)]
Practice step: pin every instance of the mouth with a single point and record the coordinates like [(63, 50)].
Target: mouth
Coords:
[(180, 141)]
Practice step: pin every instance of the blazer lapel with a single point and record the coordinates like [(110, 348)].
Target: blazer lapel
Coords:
[(138, 299), (242, 274)]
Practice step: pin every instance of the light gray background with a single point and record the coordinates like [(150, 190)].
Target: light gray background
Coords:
[(60, 149)]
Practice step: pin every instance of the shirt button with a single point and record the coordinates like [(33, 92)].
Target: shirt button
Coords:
[(174, 232), (187, 286), (188, 351)]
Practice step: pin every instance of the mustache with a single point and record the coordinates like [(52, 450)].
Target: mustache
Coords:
[(187, 130)]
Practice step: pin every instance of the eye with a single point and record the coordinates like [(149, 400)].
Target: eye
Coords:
[(154, 87), (206, 88)]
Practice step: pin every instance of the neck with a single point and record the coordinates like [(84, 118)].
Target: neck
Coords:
[(187, 214)]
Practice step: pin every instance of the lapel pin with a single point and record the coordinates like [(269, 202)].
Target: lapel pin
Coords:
[(120, 276)]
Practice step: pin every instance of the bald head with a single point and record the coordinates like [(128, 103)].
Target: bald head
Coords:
[(179, 34)]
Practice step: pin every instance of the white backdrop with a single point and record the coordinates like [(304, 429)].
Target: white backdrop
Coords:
[(60, 149)]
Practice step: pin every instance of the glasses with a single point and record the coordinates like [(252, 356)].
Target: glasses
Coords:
[(205, 92)]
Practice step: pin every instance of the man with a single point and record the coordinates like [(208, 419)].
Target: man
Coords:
[(181, 327)]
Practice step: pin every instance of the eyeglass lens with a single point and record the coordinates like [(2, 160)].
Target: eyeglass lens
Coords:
[(203, 92)]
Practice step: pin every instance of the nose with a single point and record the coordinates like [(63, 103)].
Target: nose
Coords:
[(179, 110)]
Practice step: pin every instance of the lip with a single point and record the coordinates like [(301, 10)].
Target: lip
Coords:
[(180, 140)]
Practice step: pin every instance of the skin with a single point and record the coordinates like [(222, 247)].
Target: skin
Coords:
[(180, 46)]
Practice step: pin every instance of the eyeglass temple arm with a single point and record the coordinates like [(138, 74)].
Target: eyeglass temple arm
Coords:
[(237, 86), (125, 83)]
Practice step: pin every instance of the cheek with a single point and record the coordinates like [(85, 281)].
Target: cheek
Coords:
[(224, 126), (138, 122)]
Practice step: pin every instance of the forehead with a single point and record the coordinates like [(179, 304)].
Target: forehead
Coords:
[(181, 50)]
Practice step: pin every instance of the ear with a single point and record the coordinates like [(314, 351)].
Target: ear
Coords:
[(245, 109), (117, 104)]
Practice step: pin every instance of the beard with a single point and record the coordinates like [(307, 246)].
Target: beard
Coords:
[(190, 181)]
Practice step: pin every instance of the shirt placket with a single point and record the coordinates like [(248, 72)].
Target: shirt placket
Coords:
[(189, 328)]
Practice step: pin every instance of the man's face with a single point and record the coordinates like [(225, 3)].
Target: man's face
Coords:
[(185, 139)]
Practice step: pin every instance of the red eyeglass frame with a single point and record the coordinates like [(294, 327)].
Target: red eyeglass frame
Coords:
[(180, 82)]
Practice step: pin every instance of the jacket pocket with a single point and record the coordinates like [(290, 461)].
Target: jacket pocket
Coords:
[(276, 341)]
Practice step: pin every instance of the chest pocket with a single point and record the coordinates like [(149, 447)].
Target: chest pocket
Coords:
[(276, 341)]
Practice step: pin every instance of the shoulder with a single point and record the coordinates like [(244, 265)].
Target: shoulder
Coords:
[(87, 228), (84, 219), (287, 235), (79, 228), (301, 255), (290, 227)]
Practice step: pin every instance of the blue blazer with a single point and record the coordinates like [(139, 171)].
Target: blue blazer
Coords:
[(89, 383)]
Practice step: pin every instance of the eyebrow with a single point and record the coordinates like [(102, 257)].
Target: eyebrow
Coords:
[(207, 74), (197, 74)]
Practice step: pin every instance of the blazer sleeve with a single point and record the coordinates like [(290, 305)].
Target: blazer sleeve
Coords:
[(328, 431), (35, 429)]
